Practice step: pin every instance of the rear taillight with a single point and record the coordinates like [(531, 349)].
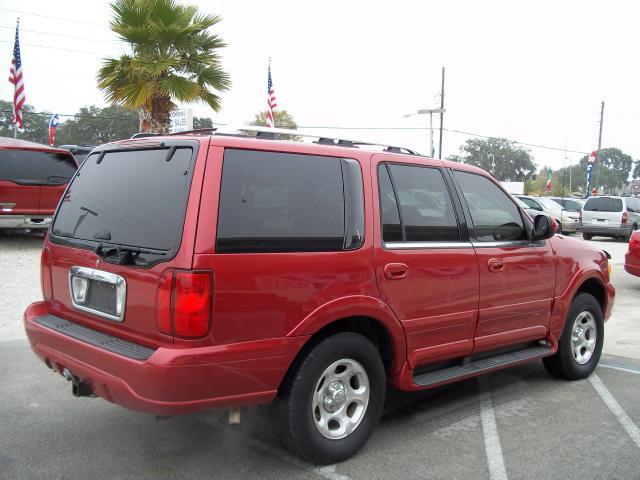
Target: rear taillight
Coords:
[(625, 217), (45, 274), (183, 304), (634, 242)]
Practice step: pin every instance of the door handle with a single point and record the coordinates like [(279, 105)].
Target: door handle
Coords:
[(395, 271), (495, 265)]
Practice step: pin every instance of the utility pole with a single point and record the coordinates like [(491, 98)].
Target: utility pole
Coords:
[(430, 112), (598, 160), (441, 114)]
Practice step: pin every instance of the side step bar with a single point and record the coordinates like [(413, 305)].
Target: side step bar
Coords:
[(472, 369)]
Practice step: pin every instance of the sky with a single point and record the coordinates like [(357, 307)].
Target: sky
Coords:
[(533, 72)]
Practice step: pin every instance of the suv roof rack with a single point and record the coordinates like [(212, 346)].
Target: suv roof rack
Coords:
[(268, 132)]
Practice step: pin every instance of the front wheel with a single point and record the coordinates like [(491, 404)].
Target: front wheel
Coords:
[(581, 342), (332, 402)]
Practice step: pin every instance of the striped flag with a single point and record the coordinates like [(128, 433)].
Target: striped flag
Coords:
[(271, 100), (53, 124), (15, 77)]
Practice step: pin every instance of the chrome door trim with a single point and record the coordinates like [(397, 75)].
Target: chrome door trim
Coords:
[(423, 245), (106, 277)]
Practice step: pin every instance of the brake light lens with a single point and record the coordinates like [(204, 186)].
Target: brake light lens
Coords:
[(634, 242), (184, 303), (625, 217)]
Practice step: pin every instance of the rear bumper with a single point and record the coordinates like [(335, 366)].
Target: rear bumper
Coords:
[(632, 264), (171, 380), (607, 231), (570, 225), (25, 221)]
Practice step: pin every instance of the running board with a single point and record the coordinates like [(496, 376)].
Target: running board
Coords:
[(480, 366)]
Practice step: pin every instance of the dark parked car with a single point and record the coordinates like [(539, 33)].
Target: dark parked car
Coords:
[(80, 152), (309, 275), (32, 180)]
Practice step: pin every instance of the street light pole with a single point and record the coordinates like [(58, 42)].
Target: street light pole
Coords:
[(425, 111)]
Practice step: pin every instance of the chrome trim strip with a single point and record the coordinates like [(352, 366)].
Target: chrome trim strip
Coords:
[(428, 245), (508, 243), (106, 277)]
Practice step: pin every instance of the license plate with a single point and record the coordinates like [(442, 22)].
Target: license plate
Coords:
[(98, 292)]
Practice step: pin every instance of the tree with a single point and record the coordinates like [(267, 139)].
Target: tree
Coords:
[(36, 126), (202, 122), (636, 169), (615, 167), (174, 58), (95, 126), (499, 156), (282, 119)]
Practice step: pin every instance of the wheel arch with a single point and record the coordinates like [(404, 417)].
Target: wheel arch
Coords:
[(367, 316)]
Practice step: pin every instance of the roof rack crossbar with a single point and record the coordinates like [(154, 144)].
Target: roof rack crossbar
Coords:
[(323, 139)]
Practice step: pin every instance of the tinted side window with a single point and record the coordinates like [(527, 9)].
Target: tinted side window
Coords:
[(31, 165), (425, 204), (391, 229), (280, 202), (499, 219)]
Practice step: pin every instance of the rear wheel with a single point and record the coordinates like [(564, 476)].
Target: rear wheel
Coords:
[(587, 236), (332, 402), (581, 342)]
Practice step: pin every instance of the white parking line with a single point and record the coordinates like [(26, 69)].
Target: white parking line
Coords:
[(622, 369), (328, 471), (492, 446), (631, 428)]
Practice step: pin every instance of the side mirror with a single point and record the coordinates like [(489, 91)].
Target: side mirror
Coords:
[(544, 227)]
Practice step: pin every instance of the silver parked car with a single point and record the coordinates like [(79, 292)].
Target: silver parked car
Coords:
[(568, 221), (616, 217)]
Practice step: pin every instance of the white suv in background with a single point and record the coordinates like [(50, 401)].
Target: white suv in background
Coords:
[(568, 221), (616, 217)]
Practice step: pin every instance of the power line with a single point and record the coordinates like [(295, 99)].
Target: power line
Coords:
[(64, 36), (57, 48), (52, 17), (325, 127), (516, 142)]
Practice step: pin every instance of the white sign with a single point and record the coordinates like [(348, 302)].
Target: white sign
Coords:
[(181, 120)]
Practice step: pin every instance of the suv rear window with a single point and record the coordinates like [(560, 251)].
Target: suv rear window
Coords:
[(35, 167), (128, 198), (284, 202), (603, 204)]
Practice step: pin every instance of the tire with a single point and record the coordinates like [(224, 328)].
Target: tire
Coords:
[(627, 237), (587, 236), (576, 363), (302, 416), (559, 226)]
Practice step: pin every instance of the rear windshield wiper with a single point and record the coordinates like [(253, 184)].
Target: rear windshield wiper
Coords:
[(126, 255)]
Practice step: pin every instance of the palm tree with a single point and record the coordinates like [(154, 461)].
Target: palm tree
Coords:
[(173, 57)]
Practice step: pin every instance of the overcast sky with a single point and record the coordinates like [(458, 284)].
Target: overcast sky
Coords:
[(533, 72)]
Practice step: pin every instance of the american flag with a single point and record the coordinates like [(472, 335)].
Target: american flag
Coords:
[(271, 101), (15, 77)]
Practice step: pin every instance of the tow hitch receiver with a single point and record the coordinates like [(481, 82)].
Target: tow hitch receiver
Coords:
[(79, 387)]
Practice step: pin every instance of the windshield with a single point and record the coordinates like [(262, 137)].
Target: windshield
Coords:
[(129, 198), (603, 204), (548, 203)]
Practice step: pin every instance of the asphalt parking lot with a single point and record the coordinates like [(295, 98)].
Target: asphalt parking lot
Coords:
[(518, 423)]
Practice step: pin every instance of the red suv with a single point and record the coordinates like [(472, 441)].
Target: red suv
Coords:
[(186, 273), (33, 177)]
